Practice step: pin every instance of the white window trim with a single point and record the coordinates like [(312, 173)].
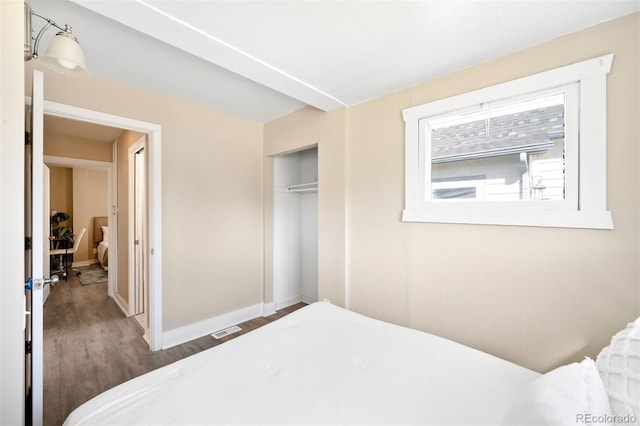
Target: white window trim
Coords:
[(571, 163), (591, 210)]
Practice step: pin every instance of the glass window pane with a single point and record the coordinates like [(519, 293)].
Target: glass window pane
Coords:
[(502, 153)]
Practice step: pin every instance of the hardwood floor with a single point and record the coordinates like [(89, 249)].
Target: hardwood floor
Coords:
[(90, 346)]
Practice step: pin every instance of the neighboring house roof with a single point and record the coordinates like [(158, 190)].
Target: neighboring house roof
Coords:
[(526, 131)]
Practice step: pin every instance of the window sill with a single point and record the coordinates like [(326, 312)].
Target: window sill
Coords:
[(547, 218)]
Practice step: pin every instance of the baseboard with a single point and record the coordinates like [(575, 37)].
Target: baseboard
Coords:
[(122, 304), (268, 309), (309, 300), (180, 335), (288, 302), (84, 263)]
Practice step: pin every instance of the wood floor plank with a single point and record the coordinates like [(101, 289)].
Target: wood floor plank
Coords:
[(91, 346)]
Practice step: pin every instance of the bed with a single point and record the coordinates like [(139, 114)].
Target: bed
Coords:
[(101, 240), (326, 365)]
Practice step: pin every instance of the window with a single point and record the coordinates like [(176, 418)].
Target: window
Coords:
[(528, 152), (517, 147)]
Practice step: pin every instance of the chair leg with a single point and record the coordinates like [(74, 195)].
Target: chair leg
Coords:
[(63, 266), (66, 267)]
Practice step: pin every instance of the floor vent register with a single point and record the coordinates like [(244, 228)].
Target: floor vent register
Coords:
[(227, 331)]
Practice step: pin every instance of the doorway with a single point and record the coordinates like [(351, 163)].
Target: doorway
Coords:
[(82, 192), (154, 213), (82, 297)]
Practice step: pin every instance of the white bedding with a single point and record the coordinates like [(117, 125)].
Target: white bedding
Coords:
[(103, 254), (319, 365)]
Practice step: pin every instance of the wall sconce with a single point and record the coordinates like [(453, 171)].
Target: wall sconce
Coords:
[(63, 55), (538, 188)]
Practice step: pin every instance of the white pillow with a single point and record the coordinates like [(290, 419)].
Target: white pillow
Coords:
[(619, 367), (105, 233), (569, 395)]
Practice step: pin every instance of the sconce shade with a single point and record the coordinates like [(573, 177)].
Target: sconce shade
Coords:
[(64, 55)]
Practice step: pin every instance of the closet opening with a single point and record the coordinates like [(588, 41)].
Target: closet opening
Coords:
[(295, 228)]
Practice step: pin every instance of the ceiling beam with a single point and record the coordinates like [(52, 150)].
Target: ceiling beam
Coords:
[(149, 20)]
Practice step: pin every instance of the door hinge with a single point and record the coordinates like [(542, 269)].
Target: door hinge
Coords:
[(27, 138), (27, 348), (27, 243)]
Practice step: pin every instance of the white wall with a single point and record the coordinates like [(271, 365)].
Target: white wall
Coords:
[(309, 246), (309, 226), (309, 165), (12, 317)]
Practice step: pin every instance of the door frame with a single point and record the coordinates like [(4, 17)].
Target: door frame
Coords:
[(154, 174)]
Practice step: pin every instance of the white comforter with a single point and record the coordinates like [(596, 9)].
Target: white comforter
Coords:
[(103, 254), (320, 365)]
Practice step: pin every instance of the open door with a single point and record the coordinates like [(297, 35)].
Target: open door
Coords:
[(36, 237), (46, 206), (139, 229), (138, 278)]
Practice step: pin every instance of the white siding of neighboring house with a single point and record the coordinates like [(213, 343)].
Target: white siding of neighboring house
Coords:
[(500, 178), (549, 166)]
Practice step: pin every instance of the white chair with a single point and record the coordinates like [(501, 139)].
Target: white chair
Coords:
[(66, 251)]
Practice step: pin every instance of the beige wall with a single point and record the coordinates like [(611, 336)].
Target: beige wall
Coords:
[(86, 149), (61, 192), (537, 296), (90, 199), (304, 128), (211, 195), (11, 213), (81, 192)]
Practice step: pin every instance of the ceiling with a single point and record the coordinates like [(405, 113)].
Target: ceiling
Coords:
[(264, 59)]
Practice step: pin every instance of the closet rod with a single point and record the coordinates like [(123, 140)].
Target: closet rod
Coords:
[(304, 185), (315, 189)]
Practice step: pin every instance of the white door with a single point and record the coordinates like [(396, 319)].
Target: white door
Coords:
[(139, 229), (138, 274), (35, 229), (46, 225)]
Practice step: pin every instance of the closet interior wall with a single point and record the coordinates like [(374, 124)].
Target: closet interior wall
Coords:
[(295, 228)]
